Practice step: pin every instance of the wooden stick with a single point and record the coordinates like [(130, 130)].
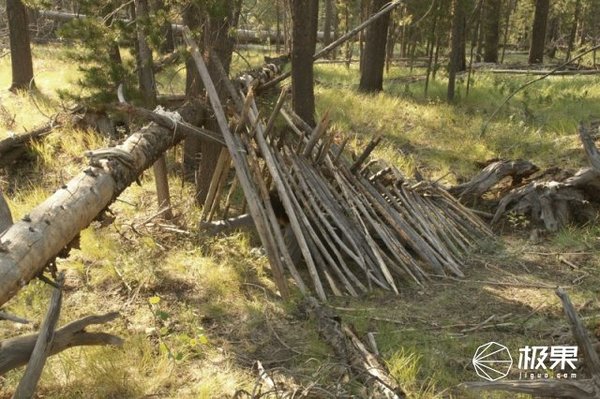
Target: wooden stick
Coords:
[(43, 345), (368, 150), (257, 210), (15, 352), (216, 183)]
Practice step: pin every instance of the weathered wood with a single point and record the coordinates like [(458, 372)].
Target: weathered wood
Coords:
[(533, 72), (255, 203), (5, 216), (353, 353), (492, 175), (15, 352), (36, 239), (43, 346), (12, 147)]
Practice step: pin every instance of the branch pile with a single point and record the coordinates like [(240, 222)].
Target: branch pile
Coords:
[(356, 227)]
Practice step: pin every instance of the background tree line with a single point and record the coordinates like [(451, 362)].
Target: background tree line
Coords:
[(117, 42)]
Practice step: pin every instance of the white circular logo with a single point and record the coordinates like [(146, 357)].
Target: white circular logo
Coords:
[(492, 361)]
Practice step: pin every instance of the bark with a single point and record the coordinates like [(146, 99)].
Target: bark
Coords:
[(148, 89), (492, 30), (15, 352), (218, 41), (20, 47), (371, 78), (192, 17), (457, 45), (5, 215), (573, 32), (328, 21), (304, 35), (538, 35), (29, 244)]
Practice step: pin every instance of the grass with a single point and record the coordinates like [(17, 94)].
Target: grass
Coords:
[(196, 312)]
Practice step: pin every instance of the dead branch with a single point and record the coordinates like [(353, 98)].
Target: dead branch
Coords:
[(16, 352)]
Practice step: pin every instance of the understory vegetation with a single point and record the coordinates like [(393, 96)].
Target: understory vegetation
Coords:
[(198, 311)]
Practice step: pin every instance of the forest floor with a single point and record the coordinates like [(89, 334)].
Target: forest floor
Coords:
[(197, 311)]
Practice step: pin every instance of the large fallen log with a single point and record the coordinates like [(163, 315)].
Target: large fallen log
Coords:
[(492, 175), (246, 36), (29, 244), (554, 199)]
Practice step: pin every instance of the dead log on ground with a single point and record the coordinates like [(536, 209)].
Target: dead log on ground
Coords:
[(554, 202), (16, 352), (588, 388), (492, 175), (32, 242), (353, 353), (12, 148)]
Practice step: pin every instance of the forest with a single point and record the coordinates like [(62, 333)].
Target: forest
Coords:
[(300, 199)]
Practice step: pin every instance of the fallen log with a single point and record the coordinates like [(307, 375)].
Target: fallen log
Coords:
[(492, 175), (12, 148), (35, 240), (16, 352), (353, 353), (554, 199), (245, 36)]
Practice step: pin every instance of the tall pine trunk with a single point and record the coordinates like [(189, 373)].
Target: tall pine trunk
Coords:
[(538, 35), (573, 31), (457, 51), (371, 76), (20, 47), (304, 40), (491, 30)]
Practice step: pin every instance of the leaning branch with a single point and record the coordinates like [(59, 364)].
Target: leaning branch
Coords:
[(327, 49)]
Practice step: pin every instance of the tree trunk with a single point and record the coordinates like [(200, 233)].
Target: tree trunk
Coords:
[(328, 22), (457, 45), (538, 35), (553, 36), (304, 38), (218, 40), (20, 48), (148, 89), (167, 44), (371, 76), (492, 30), (509, 10), (573, 32), (192, 17)]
